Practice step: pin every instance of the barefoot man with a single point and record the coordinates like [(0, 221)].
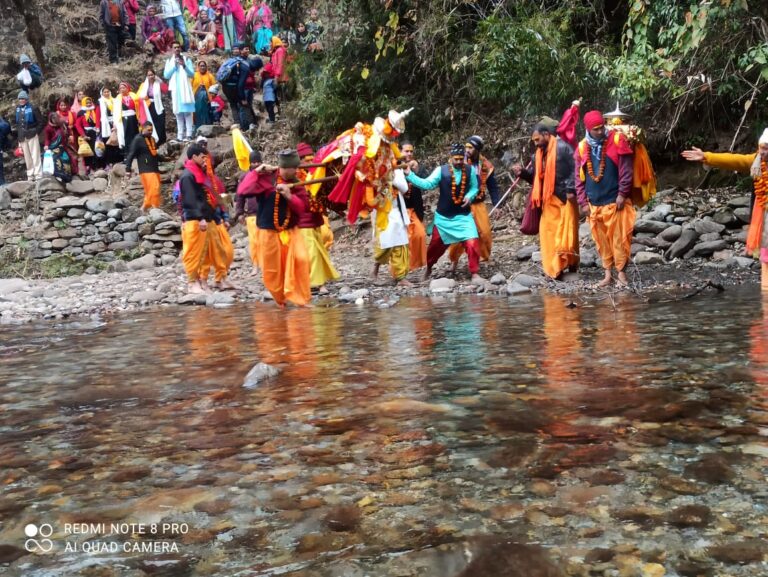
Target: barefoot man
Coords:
[(457, 182), (604, 175)]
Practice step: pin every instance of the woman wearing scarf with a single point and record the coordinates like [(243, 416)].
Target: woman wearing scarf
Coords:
[(259, 19), (88, 126), (238, 15), (108, 137), (125, 108), (280, 67), (225, 24), (156, 33), (151, 105), (68, 117), (56, 139), (202, 81), (204, 34)]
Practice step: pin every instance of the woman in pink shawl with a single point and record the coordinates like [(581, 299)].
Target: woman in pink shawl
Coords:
[(238, 14), (259, 20)]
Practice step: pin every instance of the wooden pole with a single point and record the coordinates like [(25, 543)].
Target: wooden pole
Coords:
[(315, 181)]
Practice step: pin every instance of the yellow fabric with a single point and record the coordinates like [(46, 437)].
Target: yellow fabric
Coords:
[(398, 258), (284, 268), (253, 247), (643, 177), (417, 237), (151, 183), (612, 232), (559, 236), (194, 252), (730, 161), (206, 80), (321, 270), (326, 232), (544, 179), (242, 150), (485, 238), (221, 253)]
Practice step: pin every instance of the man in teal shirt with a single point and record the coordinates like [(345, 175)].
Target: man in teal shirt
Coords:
[(457, 182)]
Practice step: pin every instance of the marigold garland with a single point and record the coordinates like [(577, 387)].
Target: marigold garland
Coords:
[(458, 200), (276, 214), (151, 145), (761, 185), (590, 168)]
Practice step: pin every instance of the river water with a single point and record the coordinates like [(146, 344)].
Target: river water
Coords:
[(623, 437)]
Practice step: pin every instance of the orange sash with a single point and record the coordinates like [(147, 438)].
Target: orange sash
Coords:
[(545, 176)]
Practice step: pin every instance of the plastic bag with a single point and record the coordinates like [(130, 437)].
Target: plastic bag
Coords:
[(112, 140), (100, 148), (24, 77), (19, 152), (48, 167), (84, 148)]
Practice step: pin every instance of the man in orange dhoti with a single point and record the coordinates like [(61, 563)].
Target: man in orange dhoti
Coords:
[(604, 176), (552, 177), (414, 203), (144, 150), (282, 253), (755, 164), (198, 215)]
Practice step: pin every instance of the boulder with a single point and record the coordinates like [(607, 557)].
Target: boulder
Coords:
[(526, 252), (709, 237), (589, 258), (193, 299), (5, 199), (211, 131), (526, 280), (157, 215), (672, 233), (20, 188), (101, 206), (725, 217), (354, 295), (123, 245), (60, 243), (743, 214), (118, 170), (745, 262), (70, 202), (498, 279), (80, 187), (145, 262), (516, 289), (94, 247), (707, 226), (651, 226), (442, 285), (648, 258), (149, 296), (49, 184), (100, 184), (722, 255), (12, 285), (709, 247), (683, 244), (219, 299), (260, 372), (117, 266), (740, 202)]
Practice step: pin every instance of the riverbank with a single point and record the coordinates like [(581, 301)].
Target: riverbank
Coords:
[(138, 284)]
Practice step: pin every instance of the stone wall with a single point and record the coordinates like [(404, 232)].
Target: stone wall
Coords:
[(84, 221)]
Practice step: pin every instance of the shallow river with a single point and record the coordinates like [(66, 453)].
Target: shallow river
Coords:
[(625, 439)]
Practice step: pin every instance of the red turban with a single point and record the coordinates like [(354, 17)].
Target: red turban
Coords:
[(593, 119), (304, 149)]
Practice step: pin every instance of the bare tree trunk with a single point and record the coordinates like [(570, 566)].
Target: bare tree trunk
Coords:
[(29, 10)]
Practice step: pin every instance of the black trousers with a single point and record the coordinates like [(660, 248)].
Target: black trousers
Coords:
[(270, 106), (115, 39)]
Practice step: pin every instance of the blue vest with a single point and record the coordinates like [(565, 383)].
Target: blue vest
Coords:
[(445, 205), (265, 216), (605, 191)]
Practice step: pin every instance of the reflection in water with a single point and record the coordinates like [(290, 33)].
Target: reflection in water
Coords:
[(391, 438)]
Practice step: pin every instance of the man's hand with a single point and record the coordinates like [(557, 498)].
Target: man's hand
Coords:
[(466, 203), (203, 226), (406, 170), (284, 190), (517, 169), (243, 103), (694, 155), (227, 225), (620, 200), (570, 197), (584, 210), (241, 219)]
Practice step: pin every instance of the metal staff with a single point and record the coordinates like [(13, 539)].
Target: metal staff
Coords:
[(510, 189)]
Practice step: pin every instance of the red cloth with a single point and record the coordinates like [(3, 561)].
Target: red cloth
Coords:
[(593, 119), (304, 149), (81, 121), (348, 188), (566, 130), (437, 248)]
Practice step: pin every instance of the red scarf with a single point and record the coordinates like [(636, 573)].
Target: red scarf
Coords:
[(200, 177)]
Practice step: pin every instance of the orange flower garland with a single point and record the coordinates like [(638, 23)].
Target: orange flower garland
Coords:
[(590, 168), (761, 185), (276, 214), (151, 145), (463, 186)]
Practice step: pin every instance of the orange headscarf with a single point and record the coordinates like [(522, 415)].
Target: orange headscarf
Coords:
[(544, 179)]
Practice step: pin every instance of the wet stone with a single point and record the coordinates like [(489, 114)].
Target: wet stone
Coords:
[(713, 469), (690, 516), (343, 518), (742, 552)]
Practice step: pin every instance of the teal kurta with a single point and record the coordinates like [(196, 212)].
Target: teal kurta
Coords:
[(457, 228)]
